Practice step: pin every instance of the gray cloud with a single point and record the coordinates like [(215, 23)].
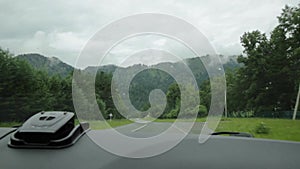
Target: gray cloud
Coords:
[(62, 28)]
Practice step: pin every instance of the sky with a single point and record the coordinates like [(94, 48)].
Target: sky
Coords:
[(63, 28)]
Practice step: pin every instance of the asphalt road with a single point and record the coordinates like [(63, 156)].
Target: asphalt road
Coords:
[(141, 130)]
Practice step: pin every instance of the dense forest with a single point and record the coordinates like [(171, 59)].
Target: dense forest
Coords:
[(264, 82)]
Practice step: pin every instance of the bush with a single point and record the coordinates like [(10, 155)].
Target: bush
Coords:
[(172, 114), (262, 129), (202, 111)]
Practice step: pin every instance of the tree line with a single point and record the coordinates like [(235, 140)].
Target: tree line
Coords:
[(25, 91)]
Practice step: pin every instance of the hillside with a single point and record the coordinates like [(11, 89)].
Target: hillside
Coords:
[(144, 82), (52, 65), (152, 78)]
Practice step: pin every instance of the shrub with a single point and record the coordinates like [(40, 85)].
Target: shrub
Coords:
[(262, 129), (202, 112)]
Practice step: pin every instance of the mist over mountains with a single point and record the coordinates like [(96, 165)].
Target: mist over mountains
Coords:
[(53, 65)]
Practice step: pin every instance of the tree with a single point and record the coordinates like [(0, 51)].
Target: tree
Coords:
[(269, 78), (25, 91)]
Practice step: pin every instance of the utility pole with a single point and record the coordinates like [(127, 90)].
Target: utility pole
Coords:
[(225, 103), (297, 103)]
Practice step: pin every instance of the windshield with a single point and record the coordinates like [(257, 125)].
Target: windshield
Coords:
[(243, 76)]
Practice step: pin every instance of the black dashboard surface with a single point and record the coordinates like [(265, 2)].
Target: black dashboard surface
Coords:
[(218, 152)]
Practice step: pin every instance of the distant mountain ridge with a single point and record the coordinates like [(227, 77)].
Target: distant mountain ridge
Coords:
[(193, 63), (105, 68), (51, 65)]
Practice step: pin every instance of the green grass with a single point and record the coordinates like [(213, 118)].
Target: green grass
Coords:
[(95, 125), (280, 129), (9, 124)]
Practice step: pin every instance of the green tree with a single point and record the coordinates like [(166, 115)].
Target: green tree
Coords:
[(269, 78)]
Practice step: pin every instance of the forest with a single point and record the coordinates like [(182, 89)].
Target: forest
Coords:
[(264, 83)]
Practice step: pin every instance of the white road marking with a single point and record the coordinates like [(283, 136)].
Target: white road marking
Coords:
[(180, 129), (139, 128)]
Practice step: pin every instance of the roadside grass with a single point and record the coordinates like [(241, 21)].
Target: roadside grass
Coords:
[(95, 125), (280, 129), (10, 124)]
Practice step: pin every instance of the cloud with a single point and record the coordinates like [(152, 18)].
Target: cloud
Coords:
[(66, 41), (150, 48), (62, 28), (160, 42)]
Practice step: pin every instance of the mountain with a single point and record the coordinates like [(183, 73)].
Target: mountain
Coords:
[(52, 65), (195, 64), (152, 77), (104, 68)]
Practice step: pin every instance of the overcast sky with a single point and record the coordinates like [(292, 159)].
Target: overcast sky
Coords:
[(62, 28)]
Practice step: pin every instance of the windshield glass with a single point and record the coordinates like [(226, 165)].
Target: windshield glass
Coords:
[(45, 63)]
